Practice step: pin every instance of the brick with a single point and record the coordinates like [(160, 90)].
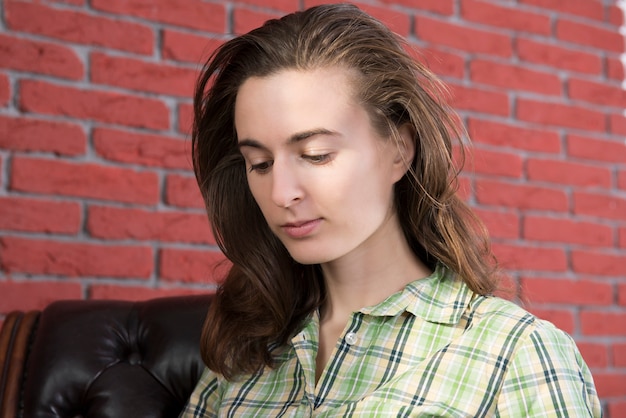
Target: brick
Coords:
[(463, 38), (514, 77), (443, 7), (510, 136), (84, 180), (139, 75), (505, 17), (440, 62), (615, 408), (599, 263), (284, 5), (74, 259), (615, 15), (139, 224), (569, 173), (39, 57), (524, 257), (600, 205), (192, 266), (194, 14), (566, 291), (615, 69), (479, 100), (183, 191), (185, 47), (590, 35), (27, 134), (78, 27), (246, 19), (500, 224), (563, 319), (185, 118), (595, 355), (26, 296), (621, 297), (572, 59), (520, 196), (617, 124), (621, 179), (541, 228), (138, 293), (496, 163), (596, 149), (398, 22), (619, 354), (32, 215), (5, 90), (50, 99), (557, 114), (597, 93), (622, 232), (603, 323), (584, 8), (143, 149), (610, 385)]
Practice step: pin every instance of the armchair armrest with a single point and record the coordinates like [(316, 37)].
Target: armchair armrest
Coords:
[(15, 338)]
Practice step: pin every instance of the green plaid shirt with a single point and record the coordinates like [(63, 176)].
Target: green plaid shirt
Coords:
[(434, 349)]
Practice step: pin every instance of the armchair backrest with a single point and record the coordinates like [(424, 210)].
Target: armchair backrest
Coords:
[(102, 358)]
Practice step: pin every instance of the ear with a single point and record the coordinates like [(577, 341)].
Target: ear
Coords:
[(405, 151)]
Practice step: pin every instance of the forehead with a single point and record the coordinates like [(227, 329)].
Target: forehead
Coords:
[(309, 83), (291, 100)]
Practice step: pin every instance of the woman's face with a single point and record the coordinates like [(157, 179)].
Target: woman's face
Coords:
[(321, 175)]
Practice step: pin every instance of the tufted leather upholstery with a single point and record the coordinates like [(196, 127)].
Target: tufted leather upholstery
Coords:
[(102, 358)]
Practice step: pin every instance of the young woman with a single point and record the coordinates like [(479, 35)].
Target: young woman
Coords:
[(360, 283)]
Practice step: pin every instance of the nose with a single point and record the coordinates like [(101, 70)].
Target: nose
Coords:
[(286, 186)]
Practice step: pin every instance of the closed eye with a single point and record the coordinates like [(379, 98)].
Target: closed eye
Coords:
[(317, 159), (262, 167)]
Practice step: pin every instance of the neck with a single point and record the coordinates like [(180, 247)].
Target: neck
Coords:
[(380, 267)]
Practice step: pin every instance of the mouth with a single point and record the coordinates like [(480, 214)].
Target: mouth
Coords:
[(301, 229)]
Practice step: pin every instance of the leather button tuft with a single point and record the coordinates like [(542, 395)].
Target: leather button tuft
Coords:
[(134, 358)]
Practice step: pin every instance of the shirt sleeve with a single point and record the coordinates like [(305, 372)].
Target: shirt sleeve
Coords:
[(548, 377), (205, 398)]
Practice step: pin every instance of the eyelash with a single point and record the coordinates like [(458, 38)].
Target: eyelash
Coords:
[(261, 168), (264, 167), (317, 159)]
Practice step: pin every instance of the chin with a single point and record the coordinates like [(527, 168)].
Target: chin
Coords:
[(308, 259), (305, 257)]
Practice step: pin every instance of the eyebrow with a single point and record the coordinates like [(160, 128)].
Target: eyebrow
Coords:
[(297, 137)]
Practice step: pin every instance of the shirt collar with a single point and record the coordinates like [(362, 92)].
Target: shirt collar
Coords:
[(441, 297)]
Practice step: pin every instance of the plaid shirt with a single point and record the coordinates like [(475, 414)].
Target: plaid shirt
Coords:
[(434, 349)]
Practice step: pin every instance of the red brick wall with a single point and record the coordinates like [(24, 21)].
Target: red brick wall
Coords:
[(97, 199)]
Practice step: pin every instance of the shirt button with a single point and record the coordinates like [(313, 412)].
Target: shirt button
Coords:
[(350, 338)]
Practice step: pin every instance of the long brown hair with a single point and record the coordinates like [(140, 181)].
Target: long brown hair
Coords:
[(266, 296)]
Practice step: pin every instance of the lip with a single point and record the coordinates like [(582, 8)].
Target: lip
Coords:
[(301, 229)]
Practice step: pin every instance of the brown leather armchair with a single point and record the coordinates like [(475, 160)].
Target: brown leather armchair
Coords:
[(100, 359)]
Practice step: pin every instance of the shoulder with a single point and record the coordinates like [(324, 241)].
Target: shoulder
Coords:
[(205, 398), (521, 330), (545, 370), (501, 321), (503, 316)]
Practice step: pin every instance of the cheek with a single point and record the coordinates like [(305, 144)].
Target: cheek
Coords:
[(356, 187)]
